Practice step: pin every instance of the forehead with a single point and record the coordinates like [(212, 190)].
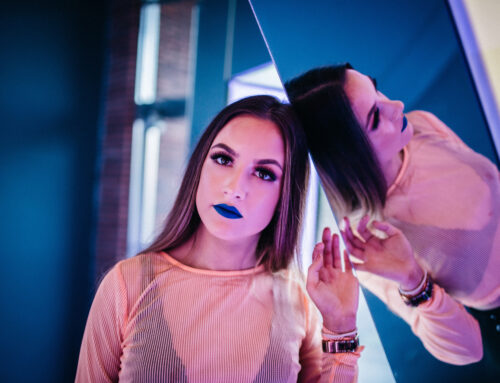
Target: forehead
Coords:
[(361, 93), (254, 137)]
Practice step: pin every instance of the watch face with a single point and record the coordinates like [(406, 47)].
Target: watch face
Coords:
[(334, 346)]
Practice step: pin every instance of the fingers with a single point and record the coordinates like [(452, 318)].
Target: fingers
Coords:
[(337, 263), (347, 261), (350, 237), (317, 263), (327, 253), (363, 228), (386, 227)]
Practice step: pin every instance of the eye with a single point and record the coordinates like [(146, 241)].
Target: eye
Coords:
[(265, 174), (222, 159), (376, 117)]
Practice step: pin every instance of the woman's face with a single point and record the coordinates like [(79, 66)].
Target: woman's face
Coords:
[(381, 118), (240, 182)]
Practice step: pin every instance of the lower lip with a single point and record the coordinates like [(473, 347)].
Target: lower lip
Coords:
[(405, 124), (227, 214)]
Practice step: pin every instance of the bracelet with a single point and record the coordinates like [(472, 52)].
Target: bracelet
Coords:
[(421, 295), (327, 334), (417, 289), (340, 345)]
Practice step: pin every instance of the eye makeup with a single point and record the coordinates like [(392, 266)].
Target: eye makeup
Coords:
[(221, 158), (262, 172), (265, 174)]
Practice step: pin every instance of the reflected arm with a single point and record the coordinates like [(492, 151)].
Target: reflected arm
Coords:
[(443, 325)]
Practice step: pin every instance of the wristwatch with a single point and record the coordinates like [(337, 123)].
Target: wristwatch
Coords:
[(422, 296), (341, 345)]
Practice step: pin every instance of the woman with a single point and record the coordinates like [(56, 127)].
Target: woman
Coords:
[(215, 297), (439, 198)]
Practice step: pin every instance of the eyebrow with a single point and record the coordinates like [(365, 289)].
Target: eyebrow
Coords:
[(372, 109), (265, 161)]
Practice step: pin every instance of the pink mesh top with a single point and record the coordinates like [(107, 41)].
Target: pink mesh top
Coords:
[(446, 200), (154, 319)]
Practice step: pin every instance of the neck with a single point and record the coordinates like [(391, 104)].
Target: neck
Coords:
[(392, 167), (205, 251)]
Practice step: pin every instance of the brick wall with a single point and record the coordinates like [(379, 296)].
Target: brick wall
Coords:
[(116, 139)]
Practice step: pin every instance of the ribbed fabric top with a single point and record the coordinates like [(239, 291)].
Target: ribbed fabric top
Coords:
[(446, 200), (155, 319)]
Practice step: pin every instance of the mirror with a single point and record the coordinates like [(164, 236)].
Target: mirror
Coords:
[(412, 49)]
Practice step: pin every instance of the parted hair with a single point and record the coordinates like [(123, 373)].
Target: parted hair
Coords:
[(277, 244), (343, 156)]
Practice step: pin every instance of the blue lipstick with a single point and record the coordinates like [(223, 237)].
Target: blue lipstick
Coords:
[(405, 124), (227, 211)]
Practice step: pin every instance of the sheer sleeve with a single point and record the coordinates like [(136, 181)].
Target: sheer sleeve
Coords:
[(319, 366), (443, 325), (101, 348)]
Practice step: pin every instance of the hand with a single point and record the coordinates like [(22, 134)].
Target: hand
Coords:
[(332, 290), (391, 258)]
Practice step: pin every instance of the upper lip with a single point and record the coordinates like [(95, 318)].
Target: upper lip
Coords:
[(229, 208)]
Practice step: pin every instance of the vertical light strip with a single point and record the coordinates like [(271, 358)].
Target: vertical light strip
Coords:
[(150, 183), (147, 54), (145, 93), (478, 67), (228, 54), (309, 228), (134, 199), (193, 56)]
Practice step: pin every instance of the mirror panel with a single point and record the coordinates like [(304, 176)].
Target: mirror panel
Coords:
[(412, 49)]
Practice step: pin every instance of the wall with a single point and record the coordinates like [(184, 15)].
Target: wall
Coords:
[(51, 71)]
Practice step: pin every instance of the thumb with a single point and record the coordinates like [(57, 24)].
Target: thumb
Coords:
[(386, 227)]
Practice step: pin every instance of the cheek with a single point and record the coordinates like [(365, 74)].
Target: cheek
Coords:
[(203, 186), (267, 204)]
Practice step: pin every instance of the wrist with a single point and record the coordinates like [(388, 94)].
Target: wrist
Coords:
[(413, 278), (340, 325), (421, 294)]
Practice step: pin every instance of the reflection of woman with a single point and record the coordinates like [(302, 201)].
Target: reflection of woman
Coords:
[(215, 297), (439, 198)]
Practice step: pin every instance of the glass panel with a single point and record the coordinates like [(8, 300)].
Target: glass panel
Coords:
[(411, 48)]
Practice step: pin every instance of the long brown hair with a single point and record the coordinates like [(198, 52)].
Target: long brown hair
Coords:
[(278, 241), (344, 158)]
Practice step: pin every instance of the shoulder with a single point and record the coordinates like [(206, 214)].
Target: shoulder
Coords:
[(127, 274), (428, 123), (293, 284), (423, 120)]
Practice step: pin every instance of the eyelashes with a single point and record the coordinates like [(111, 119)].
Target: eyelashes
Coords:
[(265, 174), (376, 118), (262, 172), (221, 159)]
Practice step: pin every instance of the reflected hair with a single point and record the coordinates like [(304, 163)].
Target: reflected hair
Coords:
[(277, 244), (343, 156)]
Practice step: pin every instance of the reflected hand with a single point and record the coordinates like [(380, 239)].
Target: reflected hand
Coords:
[(333, 291), (391, 258)]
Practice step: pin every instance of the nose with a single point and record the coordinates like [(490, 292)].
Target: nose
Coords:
[(236, 186), (393, 109)]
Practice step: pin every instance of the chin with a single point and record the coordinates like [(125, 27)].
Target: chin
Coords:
[(409, 131)]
